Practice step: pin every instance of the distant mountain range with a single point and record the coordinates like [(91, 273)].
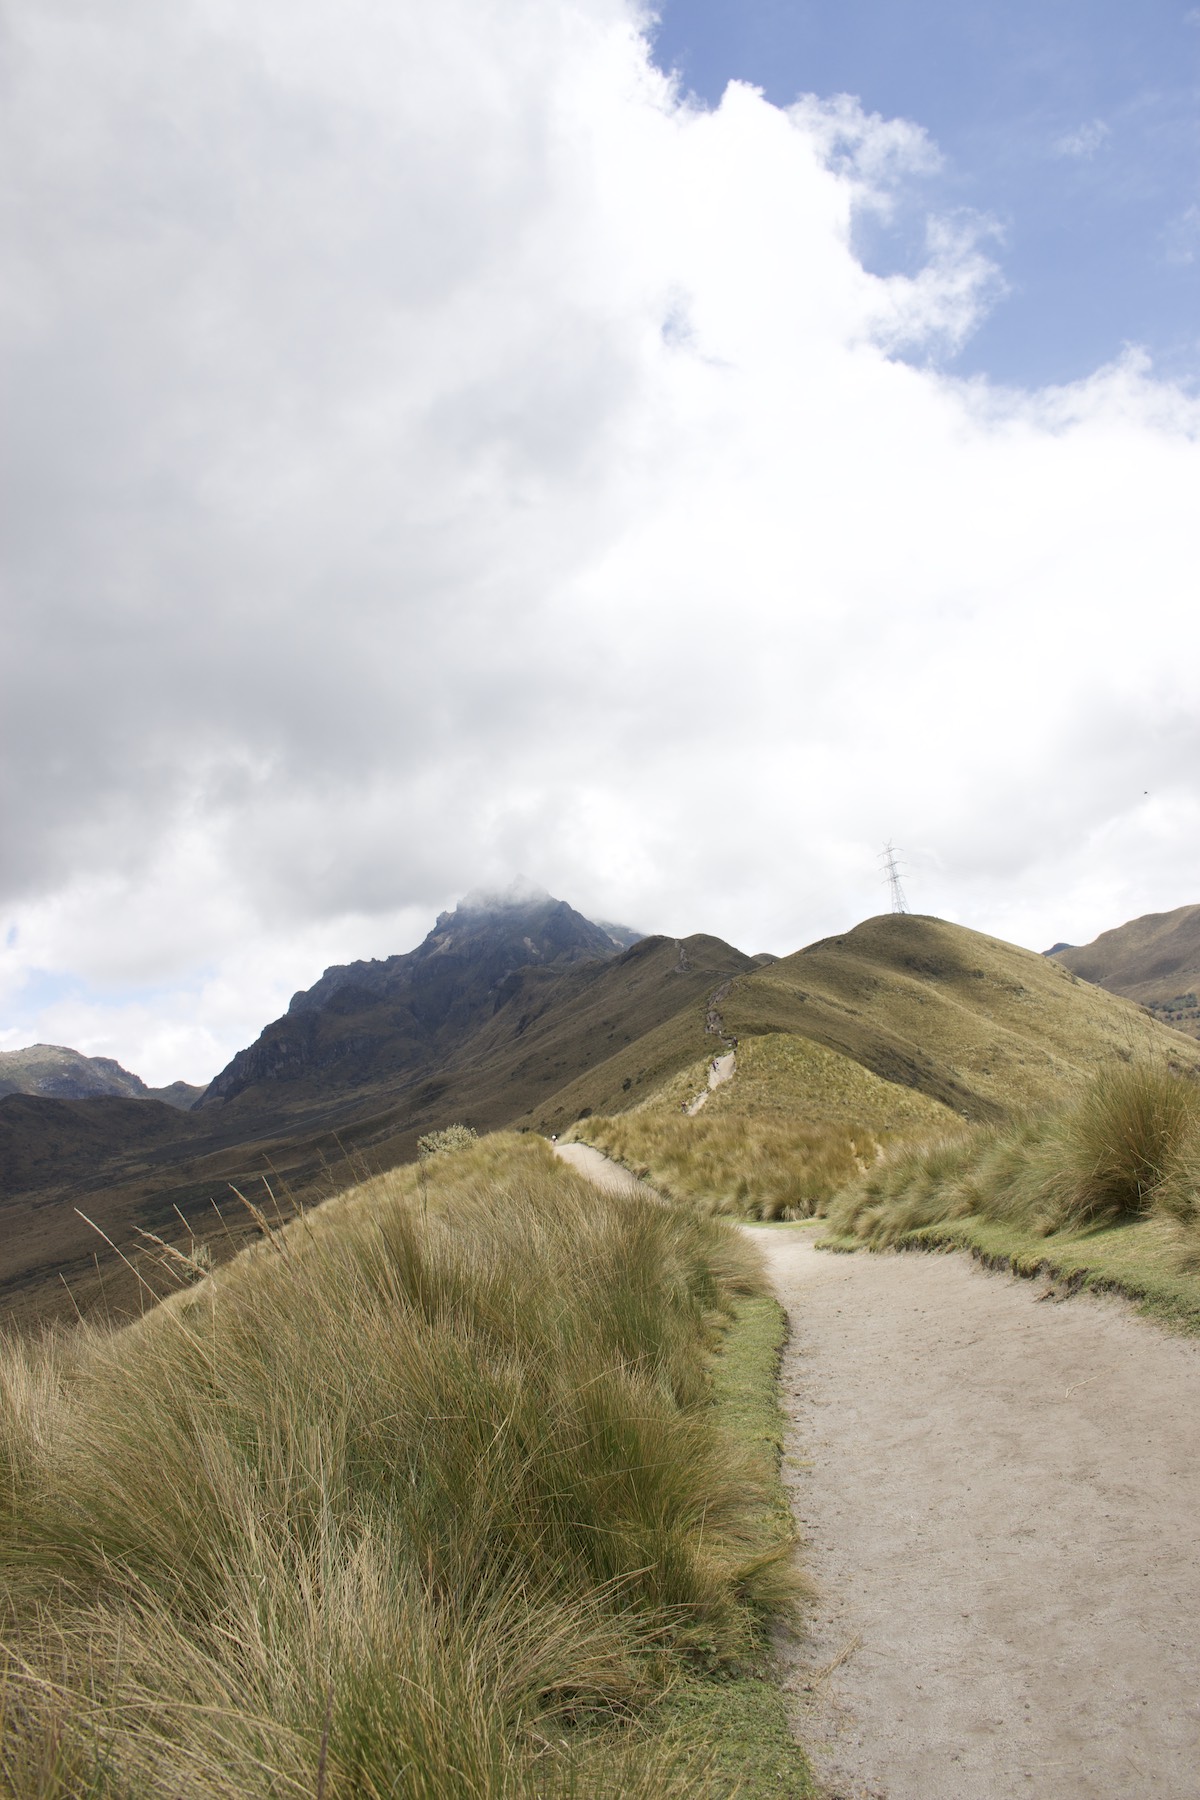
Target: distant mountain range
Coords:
[(61, 1074), (515, 1011), (1154, 960)]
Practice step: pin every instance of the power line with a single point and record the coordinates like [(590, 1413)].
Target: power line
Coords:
[(891, 874)]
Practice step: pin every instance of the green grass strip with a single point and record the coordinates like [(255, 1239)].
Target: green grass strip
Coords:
[(741, 1720), (1139, 1260)]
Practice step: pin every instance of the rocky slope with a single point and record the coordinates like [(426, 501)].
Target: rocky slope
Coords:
[(364, 1023)]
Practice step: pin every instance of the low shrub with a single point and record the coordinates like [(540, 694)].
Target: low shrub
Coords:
[(449, 1138)]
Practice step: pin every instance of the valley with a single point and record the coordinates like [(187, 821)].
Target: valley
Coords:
[(527, 1015)]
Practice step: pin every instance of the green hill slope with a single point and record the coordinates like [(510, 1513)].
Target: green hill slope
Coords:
[(980, 1025), (900, 1029), (1154, 959)]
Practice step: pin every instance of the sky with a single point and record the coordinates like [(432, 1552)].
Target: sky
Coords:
[(1068, 128), (667, 459)]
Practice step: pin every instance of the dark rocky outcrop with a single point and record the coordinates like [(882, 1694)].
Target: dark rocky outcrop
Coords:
[(363, 1022)]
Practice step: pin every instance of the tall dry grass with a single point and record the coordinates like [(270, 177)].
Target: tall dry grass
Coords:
[(424, 1497), (728, 1163), (778, 1141), (1127, 1145)]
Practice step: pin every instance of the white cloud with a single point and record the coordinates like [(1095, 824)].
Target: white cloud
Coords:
[(1084, 141), (440, 452)]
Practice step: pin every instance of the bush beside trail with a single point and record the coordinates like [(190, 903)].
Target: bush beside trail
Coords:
[(1124, 1150), (424, 1496)]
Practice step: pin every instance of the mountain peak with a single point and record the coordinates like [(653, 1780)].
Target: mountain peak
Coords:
[(423, 1000), (519, 895), (56, 1072)]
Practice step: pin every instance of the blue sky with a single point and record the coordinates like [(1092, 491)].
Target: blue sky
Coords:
[(1074, 124)]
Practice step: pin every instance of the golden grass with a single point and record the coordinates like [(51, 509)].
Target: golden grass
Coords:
[(423, 1496), (796, 1123), (989, 1029), (1111, 1175)]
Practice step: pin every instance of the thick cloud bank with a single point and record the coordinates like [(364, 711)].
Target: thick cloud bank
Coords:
[(432, 451)]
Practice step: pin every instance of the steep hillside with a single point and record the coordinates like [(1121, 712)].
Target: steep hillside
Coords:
[(62, 1074), (1154, 959), (894, 1033)]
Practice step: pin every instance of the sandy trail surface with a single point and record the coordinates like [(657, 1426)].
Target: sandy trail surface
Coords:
[(720, 1070), (599, 1169), (999, 1501)]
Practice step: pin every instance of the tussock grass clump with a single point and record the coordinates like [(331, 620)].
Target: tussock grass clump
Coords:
[(1125, 1135), (422, 1497), (1127, 1146)]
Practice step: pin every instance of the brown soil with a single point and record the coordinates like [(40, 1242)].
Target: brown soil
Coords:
[(999, 1501)]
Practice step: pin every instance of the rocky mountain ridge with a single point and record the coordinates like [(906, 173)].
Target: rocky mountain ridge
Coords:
[(367, 1021), (56, 1072)]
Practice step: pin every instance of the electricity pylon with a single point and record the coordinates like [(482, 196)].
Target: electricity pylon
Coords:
[(891, 869)]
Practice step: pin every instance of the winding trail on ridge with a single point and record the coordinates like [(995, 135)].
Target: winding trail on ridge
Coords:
[(601, 1170), (999, 1504)]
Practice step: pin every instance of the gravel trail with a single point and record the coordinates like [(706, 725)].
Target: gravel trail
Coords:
[(999, 1498)]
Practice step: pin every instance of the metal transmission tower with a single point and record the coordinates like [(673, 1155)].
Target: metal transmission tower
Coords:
[(891, 869)]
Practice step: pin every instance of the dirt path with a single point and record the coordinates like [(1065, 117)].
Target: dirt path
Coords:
[(1000, 1499), (598, 1168), (720, 1070)]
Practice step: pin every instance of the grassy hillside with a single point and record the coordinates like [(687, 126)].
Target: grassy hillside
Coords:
[(1101, 1189), (1154, 960), (427, 1495), (985, 1027), (794, 1124), (899, 1031)]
